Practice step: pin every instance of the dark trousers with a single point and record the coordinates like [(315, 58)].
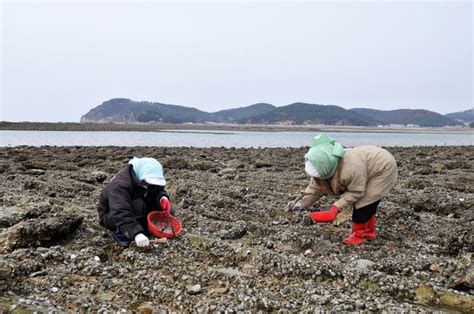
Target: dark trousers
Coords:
[(363, 214)]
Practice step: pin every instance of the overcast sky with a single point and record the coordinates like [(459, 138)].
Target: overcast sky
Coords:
[(61, 59)]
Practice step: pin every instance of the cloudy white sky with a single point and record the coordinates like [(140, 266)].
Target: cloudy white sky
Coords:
[(60, 59)]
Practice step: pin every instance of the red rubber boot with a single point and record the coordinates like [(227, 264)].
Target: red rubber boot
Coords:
[(357, 236), (370, 232)]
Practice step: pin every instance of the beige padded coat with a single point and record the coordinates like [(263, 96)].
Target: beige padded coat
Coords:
[(364, 175)]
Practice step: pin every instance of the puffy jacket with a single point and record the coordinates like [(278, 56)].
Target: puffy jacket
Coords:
[(125, 205)]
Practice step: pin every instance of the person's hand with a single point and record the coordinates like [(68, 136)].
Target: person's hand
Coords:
[(165, 204), (325, 216), (297, 207), (142, 240)]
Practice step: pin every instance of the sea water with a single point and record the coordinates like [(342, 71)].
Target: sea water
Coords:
[(238, 139)]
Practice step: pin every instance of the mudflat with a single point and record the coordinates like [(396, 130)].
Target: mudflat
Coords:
[(239, 250), (163, 127)]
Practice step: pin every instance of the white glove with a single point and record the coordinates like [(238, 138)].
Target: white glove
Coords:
[(297, 207), (141, 240)]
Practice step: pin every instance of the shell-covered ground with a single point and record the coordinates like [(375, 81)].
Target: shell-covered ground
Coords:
[(239, 250)]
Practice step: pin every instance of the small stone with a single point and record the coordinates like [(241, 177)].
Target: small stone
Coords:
[(41, 249), (434, 268), (96, 258), (219, 291), (269, 245), (362, 264), (38, 273), (307, 252), (194, 289), (145, 309), (359, 305), (35, 172), (54, 289)]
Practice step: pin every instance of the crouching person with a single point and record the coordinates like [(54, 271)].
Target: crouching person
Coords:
[(127, 199), (361, 176)]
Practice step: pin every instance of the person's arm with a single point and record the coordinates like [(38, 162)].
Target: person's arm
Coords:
[(312, 194), (355, 183), (121, 212)]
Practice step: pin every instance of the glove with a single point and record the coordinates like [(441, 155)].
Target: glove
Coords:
[(297, 207), (165, 204), (325, 216), (142, 240)]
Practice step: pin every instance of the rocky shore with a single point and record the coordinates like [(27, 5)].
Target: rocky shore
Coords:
[(239, 251), (164, 127)]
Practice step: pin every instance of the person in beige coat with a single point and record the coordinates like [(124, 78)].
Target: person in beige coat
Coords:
[(361, 176)]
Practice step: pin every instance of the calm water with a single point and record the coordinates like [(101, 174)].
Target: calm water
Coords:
[(225, 138)]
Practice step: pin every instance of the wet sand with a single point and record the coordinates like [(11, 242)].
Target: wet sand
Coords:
[(239, 251)]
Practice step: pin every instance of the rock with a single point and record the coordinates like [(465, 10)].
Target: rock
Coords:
[(434, 268), (219, 291), (262, 164), (227, 171), (145, 309), (466, 280), (424, 294), (54, 289), (239, 178), (99, 176), (35, 232), (33, 184), (230, 272), (194, 289), (361, 264), (236, 232), (449, 299), (38, 273), (35, 172), (198, 241)]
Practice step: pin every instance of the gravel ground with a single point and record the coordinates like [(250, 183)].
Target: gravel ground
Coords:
[(239, 250)]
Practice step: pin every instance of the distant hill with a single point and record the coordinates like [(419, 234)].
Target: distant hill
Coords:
[(424, 118), (238, 114), (122, 110), (303, 113), (464, 116)]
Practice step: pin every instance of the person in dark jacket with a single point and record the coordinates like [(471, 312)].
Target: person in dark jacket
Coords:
[(127, 199)]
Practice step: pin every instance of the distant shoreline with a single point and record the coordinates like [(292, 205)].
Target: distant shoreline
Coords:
[(165, 127)]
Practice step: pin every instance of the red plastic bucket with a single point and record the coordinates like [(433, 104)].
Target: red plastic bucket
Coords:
[(163, 225)]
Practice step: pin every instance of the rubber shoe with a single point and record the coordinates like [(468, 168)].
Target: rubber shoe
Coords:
[(357, 236), (370, 230)]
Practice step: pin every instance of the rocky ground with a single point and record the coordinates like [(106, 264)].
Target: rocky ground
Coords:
[(239, 251)]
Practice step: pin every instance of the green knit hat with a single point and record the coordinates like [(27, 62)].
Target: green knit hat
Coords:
[(324, 154)]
